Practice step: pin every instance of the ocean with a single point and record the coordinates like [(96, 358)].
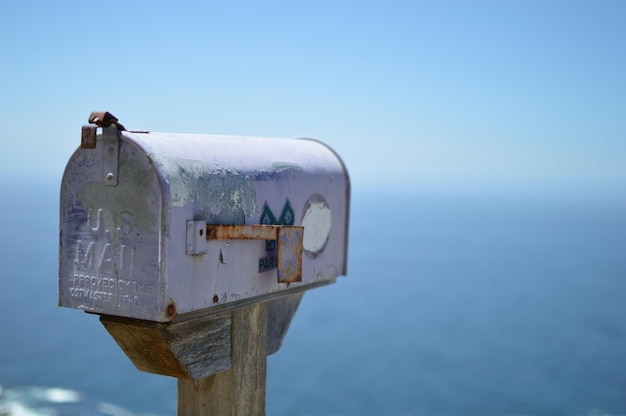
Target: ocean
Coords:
[(453, 305)]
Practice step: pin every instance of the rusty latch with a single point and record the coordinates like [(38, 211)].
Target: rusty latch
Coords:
[(289, 239)]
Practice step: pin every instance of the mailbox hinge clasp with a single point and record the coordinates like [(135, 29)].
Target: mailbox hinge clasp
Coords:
[(110, 163), (111, 141)]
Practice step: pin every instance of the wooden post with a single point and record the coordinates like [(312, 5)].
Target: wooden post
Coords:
[(239, 391), (220, 359)]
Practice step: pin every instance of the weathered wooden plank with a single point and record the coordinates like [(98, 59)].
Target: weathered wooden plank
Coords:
[(188, 349), (239, 391), (202, 345), (212, 395), (143, 343), (249, 359), (280, 311)]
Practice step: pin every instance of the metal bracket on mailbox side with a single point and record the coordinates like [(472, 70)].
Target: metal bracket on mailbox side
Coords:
[(289, 240), (111, 155), (111, 141), (196, 237)]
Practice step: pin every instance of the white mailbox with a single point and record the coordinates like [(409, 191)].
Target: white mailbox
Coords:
[(157, 225)]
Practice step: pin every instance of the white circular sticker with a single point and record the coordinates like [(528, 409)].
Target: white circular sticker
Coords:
[(316, 222)]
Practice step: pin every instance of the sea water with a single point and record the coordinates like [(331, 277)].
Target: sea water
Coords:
[(454, 305)]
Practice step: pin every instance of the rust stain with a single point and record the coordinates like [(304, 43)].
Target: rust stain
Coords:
[(290, 242), (88, 137), (242, 232), (170, 311)]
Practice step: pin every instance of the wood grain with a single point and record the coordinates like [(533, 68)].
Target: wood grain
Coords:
[(187, 349), (239, 391)]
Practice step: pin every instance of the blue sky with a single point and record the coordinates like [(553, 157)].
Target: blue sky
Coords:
[(517, 97)]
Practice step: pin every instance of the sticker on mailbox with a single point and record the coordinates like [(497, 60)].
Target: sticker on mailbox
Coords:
[(270, 261)]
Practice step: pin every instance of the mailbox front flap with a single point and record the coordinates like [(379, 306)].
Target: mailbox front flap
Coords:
[(109, 260)]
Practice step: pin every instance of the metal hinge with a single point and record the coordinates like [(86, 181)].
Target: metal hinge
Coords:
[(110, 138)]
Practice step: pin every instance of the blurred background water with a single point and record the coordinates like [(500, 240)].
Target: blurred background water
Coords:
[(454, 305)]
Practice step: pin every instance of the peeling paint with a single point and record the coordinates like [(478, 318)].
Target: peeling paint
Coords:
[(281, 166), (220, 196), (316, 220)]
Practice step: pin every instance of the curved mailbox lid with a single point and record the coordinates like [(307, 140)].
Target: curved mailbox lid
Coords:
[(215, 179)]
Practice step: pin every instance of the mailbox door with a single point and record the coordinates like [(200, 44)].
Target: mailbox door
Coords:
[(110, 238)]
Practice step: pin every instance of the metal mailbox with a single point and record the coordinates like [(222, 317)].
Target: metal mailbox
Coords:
[(157, 225)]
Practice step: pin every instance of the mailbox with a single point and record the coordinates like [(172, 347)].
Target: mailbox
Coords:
[(158, 225)]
